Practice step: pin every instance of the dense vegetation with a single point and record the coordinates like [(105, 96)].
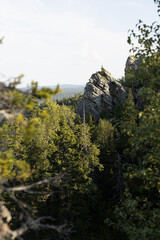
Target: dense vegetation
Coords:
[(63, 177)]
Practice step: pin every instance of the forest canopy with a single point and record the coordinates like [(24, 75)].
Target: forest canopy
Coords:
[(64, 177)]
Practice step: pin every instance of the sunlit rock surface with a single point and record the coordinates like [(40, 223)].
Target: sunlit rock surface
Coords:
[(101, 94)]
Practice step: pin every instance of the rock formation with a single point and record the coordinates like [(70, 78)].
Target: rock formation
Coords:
[(132, 63), (101, 93)]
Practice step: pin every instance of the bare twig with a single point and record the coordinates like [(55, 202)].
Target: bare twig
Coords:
[(54, 181), (28, 222)]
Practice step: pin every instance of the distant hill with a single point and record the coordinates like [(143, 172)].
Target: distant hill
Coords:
[(67, 86), (68, 90)]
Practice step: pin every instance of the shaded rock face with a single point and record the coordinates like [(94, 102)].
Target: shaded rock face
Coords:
[(132, 62), (101, 93)]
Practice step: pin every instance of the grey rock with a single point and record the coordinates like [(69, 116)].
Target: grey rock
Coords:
[(101, 94), (132, 63)]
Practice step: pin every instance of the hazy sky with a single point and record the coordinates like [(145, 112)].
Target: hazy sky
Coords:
[(65, 41)]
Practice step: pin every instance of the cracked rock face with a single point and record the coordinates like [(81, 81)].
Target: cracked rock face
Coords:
[(101, 94)]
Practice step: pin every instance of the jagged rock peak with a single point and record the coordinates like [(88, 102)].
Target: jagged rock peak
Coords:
[(101, 93)]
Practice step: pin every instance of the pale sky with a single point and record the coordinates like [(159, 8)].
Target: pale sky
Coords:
[(65, 41)]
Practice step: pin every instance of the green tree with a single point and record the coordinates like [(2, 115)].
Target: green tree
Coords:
[(57, 145), (17, 180), (138, 215)]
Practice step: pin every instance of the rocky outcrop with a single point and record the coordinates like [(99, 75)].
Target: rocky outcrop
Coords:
[(132, 63), (101, 93)]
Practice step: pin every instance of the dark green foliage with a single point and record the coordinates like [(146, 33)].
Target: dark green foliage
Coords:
[(137, 216), (107, 172), (57, 145)]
